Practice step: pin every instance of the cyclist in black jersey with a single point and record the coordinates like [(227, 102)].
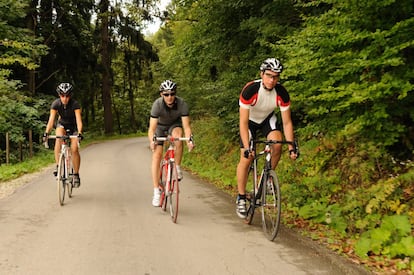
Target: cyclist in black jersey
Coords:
[(169, 115), (69, 119), (258, 101)]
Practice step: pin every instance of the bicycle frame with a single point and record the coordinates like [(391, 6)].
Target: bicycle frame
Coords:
[(65, 167), (266, 189), (169, 182)]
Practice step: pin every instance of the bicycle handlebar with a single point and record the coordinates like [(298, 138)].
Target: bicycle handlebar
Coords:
[(268, 142), (273, 142), (61, 137), (172, 139)]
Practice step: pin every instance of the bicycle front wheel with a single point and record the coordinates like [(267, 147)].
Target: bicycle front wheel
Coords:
[(271, 205), (163, 182), (173, 193), (61, 178)]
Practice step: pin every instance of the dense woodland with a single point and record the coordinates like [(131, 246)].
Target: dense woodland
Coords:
[(349, 69)]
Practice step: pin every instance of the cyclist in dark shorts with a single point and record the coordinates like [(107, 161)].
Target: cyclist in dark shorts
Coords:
[(70, 119), (169, 115), (258, 101)]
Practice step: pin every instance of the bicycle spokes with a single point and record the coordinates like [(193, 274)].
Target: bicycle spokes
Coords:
[(271, 206)]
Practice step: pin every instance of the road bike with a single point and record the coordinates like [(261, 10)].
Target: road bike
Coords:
[(169, 182), (65, 171), (265, 194)]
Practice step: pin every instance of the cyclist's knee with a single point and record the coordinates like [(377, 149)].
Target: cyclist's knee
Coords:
[(177, 132)]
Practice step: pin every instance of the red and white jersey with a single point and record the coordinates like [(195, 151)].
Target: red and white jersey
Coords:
[(262, 102)]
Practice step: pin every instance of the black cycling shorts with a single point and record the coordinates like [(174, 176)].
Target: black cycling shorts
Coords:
[(268, 125)]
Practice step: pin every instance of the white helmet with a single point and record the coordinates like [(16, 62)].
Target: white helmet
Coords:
[(272, 64), (168, 85), (64, 89)]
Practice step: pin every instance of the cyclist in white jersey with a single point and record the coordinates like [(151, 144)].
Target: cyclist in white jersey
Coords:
[(258, 101)]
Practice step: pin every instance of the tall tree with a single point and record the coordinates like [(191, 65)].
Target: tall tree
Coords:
[(106, 66)]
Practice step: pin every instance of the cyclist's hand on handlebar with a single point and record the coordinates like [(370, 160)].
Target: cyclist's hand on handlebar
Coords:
[(294, 153), (45, 137), (80, 136), (247, 153), (152, 145), (190, 145)]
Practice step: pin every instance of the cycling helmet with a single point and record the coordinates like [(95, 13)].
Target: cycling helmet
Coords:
[(168, 85), (64, 89), (272, 64)]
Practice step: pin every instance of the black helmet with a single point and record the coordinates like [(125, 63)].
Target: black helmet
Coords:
[(272, 64), (168, 85), (64, 89)]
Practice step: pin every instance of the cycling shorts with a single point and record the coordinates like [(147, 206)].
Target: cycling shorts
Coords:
[(166, 130), (268, 125)]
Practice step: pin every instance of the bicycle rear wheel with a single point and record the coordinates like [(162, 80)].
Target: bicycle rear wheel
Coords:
[(173, 193), (271, 205), (61, 179)]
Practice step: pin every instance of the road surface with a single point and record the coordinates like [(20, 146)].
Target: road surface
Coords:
[(110, 227)]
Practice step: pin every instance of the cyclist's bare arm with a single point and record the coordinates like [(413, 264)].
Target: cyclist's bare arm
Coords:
[(288, 131), (187, 131), (51, 120), (79, 124), (151, 132)]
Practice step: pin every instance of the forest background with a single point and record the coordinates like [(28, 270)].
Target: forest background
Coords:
[(349, 68)]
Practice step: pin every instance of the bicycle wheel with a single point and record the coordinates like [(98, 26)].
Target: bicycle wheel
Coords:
[(163, 182), (271, 205), (173, 193), (61, 179)]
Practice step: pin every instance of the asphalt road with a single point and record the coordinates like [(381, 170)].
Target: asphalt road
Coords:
[(110, 227)]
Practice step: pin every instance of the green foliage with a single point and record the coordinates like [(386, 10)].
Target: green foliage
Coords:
[(214, 156), (392, 238), (39, 161)]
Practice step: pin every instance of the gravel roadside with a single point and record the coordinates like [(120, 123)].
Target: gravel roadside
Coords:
[(7, 188)]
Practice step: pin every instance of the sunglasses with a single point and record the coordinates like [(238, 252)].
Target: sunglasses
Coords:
[(274, 77), (62, 95), (168, 94)]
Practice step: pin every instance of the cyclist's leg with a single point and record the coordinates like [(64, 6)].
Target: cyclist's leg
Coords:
[(276, 148), (176, 131), (272, 131), (244, 163), (242, 171), (160, 131), (155, 165), (75, 155), (60, 131)]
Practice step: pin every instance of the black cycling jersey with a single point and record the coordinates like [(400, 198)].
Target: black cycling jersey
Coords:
[(66, 112)]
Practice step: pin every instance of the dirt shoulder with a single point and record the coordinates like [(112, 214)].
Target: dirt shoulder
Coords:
[(7, 188)]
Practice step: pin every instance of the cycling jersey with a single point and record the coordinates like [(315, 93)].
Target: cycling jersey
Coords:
[(66, 113), (262, 102), (168, 116)]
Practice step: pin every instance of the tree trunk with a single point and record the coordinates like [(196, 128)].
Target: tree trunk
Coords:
[(31, 25), (106, 66)]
